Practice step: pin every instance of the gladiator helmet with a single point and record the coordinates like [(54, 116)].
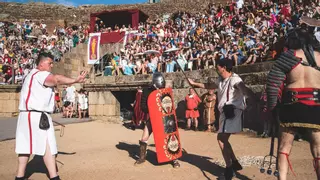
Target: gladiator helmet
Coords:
[(158, 80)]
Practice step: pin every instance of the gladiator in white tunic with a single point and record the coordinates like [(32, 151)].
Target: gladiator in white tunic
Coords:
[(30, 139), (236, 98)]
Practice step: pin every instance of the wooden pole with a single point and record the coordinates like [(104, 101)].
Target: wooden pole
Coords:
[(187, 78)]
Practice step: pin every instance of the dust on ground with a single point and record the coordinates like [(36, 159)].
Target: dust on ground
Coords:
[(98, 150)]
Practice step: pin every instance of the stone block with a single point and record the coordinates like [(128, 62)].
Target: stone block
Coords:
[(5, 115), (117, 108), (93, 98), (75, 61), (17, 96), (66, 67), (110, 98), (10, 107), (67, 60), (254, 78), (4, 96), (75, 67), (105, 79), (13, 96), (92, 110), (99, 110), (75, 73), (2, 103), (102, 97), (109, 110)]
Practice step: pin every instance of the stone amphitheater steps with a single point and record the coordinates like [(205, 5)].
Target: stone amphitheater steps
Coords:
[(253, 76)]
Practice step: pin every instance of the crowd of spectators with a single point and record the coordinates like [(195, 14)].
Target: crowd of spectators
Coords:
[(245, 32), (241, 31), (20, 43)]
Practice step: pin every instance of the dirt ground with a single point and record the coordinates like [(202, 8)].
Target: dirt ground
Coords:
[(98, 150)]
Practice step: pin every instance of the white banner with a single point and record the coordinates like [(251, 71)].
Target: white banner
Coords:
[(94, 48)]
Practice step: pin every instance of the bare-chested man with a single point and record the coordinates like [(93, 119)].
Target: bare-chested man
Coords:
[(296, 77)]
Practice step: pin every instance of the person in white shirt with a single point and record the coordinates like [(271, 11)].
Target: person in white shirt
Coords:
[(71, 94), (37, 100), (231, 95), (82, 104)]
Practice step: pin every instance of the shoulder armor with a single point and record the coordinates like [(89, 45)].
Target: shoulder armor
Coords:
[(277, 75)]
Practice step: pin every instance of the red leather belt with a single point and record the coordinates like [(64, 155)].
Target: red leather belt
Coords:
[(309, 96)]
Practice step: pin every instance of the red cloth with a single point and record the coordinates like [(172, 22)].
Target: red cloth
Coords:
[(192, 103), (112, 37), (56, 97), (9, 72), (7, 59), (285, 12), (139, 115)]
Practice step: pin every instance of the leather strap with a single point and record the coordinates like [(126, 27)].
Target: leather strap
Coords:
[(34, 111), (296, 96), (290, 166), (303, 92), (309, 53), (228, 89), (316, 163)]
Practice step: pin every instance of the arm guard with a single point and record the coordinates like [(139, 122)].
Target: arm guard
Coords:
[(277, 75)]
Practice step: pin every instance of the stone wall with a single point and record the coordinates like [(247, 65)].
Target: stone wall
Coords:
[(254, 77), (9, 100), (251, 74), (104, 106), (75, 61), (81, 14), (251, 121)]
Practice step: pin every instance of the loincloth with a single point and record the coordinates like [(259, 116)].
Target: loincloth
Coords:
[(300, 108)]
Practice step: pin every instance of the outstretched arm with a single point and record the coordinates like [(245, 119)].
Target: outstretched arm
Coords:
[(199, 85), (54, 80)]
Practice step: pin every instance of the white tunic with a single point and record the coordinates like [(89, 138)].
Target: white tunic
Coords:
[(82, 101), (30, 139), (236, 98), (71, 95)]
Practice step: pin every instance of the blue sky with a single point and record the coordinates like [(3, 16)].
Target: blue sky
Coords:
[(81, 2)]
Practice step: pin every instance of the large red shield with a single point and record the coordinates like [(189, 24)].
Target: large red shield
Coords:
[(164, 125)]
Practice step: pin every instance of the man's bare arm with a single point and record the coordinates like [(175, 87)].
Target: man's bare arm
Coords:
[(54, 80), (199, 85)]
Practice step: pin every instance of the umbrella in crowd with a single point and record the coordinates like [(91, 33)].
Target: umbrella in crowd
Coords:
[(31, 37), (253, 28), (310, 21), (139, 54), (229, 33), (172, 50), (139, 34), (151, 52)]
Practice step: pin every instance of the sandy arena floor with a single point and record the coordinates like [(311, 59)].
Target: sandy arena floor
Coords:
[(103, 151)]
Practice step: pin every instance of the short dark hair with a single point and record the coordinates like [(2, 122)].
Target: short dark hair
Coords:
[(81, 90), (225, 62), (43, 55)]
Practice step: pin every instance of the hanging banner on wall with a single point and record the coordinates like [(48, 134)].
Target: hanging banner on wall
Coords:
[(94, 48)]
